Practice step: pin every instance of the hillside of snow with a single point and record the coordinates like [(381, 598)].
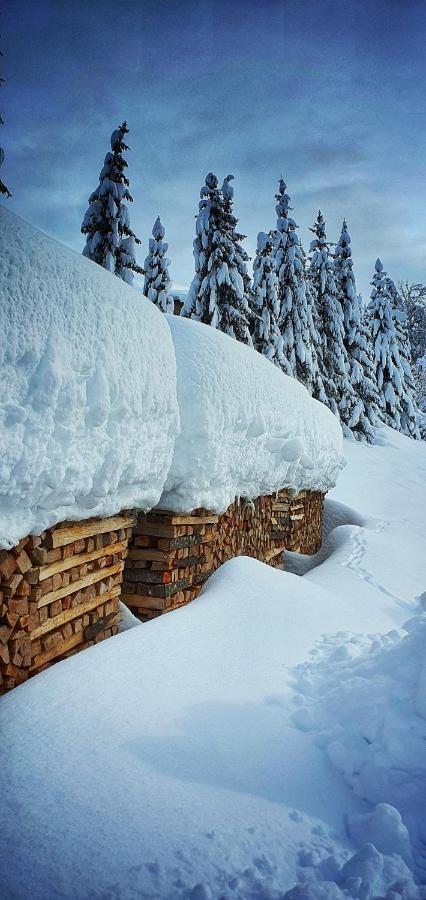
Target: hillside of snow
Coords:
[(266, 741)]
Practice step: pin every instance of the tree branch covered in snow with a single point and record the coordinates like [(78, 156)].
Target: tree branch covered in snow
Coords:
[(110, 241)]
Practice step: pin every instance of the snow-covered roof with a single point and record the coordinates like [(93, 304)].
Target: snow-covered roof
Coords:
[(90, 403), (246, 428), (88, 411)]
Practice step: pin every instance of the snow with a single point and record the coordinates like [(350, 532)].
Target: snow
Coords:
[(89, 398), (88, 410), (246, 428), (266, 741)]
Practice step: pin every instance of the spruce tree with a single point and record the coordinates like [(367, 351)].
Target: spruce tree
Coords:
[(402, 334), (340, 395), (295, 315), (356, 340), (241, 258), (414, 300), (157, 279), (3, 188), (110, 241), (394, 393), (267, 337), (217, 294)]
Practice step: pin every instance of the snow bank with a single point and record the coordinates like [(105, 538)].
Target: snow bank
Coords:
[(88, 411), (246, 428)]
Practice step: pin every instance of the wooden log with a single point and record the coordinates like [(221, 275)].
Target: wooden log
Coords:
[(182, 519), (38, 555), (7, 564), (92, 630), (23, 562), (10, 586), (75, 560), (55, 651), (78, 585), (70, 614), (73, 532)]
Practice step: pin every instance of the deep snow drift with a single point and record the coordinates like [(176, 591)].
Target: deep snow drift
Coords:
[(266, 741), (89, 401), (88, 410), (246, 428)]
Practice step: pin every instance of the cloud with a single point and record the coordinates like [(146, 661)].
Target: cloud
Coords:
[(320, 92)]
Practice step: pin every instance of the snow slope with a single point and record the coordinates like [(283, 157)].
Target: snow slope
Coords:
[(88, 411), (246, 428), (230, 749)]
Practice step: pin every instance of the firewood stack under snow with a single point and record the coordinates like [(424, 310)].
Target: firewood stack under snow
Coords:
[(171, 555), (59, 593)]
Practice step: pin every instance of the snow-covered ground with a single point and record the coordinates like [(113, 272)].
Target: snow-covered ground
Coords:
[(268, 740)]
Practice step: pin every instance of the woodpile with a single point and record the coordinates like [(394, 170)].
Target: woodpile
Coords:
[(169, 559), (59, 593), (170, 556), (245, 530), (297, 521)]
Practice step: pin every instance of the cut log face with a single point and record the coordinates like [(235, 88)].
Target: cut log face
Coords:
[(170, 556), (59, 593)]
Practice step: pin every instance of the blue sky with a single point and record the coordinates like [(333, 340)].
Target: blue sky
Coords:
[(331, 94)]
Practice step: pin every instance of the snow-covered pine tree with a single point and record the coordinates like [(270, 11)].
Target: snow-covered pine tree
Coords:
[(340, 395), (295, 314), (157, 279), (110, 241), (241, 258), (402, 334), (414, 298), (217, 294), (3, 188), (267, 338), (357, 340), (394, 393)]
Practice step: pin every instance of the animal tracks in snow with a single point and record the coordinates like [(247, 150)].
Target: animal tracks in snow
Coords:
[(359, 542)]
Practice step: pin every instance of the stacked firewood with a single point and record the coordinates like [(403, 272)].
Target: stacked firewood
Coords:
[(169, 559), (170, 556), (297, 521), (59, 592), (245, 530)]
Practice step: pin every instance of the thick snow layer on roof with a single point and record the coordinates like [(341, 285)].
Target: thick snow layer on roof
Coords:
[(88, 411), (246, 428)]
